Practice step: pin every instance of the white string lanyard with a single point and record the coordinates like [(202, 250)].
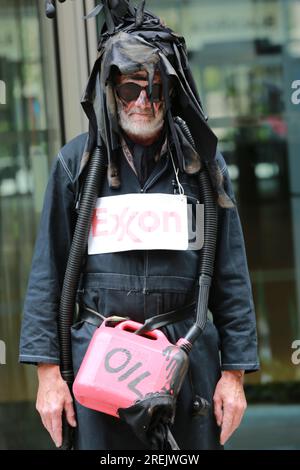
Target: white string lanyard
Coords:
[(176, 171)]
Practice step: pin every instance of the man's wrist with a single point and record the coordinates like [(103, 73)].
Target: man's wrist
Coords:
[(236, 373), (46, 369)]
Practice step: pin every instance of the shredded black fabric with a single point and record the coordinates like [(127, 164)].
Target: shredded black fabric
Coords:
[(134, 39), (150, 418)]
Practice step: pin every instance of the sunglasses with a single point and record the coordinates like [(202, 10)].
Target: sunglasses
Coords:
[(131, 91)]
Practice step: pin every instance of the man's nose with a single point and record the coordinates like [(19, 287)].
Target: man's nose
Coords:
[(143, 99)]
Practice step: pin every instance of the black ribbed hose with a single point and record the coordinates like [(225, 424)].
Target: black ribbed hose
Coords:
[(94, 179), (207, 253)]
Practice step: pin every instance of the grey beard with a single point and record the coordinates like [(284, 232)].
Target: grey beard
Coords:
[(146, 130)]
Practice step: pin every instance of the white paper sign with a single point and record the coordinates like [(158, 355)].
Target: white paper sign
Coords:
[(139, 222)]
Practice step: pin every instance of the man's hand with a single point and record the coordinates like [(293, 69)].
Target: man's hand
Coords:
[(53, 398), (229, 402)]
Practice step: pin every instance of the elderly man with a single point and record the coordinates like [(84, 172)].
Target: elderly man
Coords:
[(137, 98)]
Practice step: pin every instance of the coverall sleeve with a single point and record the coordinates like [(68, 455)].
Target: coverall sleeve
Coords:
[(231, 300), (39, 337)]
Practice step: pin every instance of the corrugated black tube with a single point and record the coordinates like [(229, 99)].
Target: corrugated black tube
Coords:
[(94, 179), (207, 253), (207, 197)]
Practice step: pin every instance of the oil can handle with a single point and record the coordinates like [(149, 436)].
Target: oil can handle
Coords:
[(133, 327)]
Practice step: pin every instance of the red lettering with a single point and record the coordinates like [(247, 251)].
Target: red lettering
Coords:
[(166, 221), (98, 222), (155, 221)]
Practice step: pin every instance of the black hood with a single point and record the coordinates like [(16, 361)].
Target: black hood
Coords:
[(133, 39)]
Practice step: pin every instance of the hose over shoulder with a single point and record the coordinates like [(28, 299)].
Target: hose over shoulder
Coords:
[(96, 173)]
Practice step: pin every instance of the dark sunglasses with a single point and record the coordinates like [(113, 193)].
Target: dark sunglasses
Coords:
[(131, 91)]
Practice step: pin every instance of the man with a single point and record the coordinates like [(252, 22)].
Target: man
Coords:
[(134, 112)]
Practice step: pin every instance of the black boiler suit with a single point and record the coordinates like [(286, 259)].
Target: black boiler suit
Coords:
[(141, 284)]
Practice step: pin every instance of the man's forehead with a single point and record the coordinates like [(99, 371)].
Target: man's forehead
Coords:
[(141, 75)]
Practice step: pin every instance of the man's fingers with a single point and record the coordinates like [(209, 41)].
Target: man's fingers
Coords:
[(46, 421), (70, 413), (53, 398), (51, 419), (233, 415), (218, 409), (238, 415), (227, 424), (230, 398), (46, 417), (56, 427)]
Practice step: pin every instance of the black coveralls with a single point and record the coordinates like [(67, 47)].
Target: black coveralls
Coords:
[(140, 284)]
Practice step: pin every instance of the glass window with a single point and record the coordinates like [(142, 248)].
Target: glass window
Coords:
[(245, 55), (28, 136)]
